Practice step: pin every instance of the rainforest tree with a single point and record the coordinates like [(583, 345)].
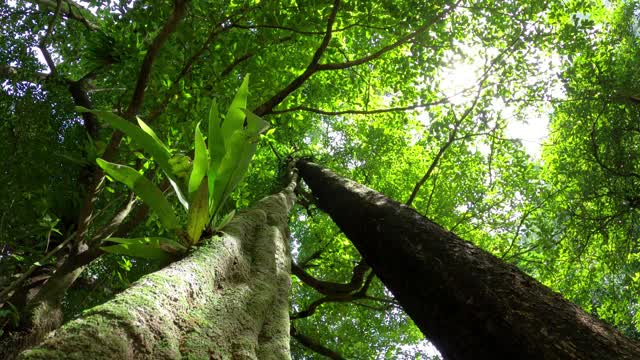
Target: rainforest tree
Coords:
[(415, 99)]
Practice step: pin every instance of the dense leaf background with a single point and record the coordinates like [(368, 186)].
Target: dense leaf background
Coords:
[(387, 106)]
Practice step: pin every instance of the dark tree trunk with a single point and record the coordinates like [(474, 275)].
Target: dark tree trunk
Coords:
[(470, 304)]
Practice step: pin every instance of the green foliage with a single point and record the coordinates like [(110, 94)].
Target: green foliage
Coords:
[(240, 143), (154, 248), (145, 189), (569, 219)]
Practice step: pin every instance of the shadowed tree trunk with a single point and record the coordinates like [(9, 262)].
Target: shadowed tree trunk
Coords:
[(228, 299), (470, 304)]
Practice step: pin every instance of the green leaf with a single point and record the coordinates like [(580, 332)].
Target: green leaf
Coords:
[(145, 189), (155, 248), (255, 124), (179, 193), (146, 138), (148, 141), (235, 116), (200, 162), (226, 219), (137, 250), (169, 245), (198, 213), (215, 142), (235, 163), (151, 133)]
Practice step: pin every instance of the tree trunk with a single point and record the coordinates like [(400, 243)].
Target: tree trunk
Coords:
[(470, 304), (229, 298)]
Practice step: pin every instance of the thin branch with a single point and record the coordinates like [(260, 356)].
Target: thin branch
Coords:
[(145, 70), (227, 70), (314, 345), (11, 287), (345, 297), (403, 40), (139, 215), (213, 35), (267, 106), (273, 149), (71, 10), (116, 221), (81, 98), (52, 22), (332, 288), (311, 309), (48, 59), (86, 212), (360, 112), (452, 138), (12, 72), (302, 32), (430, 198), (596, 152)]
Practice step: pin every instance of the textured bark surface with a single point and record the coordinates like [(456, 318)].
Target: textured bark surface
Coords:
[(470, 304), (227, 299)]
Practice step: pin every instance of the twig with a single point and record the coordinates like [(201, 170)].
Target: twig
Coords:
[(72, 10), (11, 287), (360, 112), (135, 104), (267, 106), (314, 345), (403, 40), (145, 70)]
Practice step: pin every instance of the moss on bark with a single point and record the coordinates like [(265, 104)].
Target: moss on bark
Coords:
[(227, 299)]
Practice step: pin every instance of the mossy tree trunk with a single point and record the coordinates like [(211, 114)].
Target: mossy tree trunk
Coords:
[(468, 302), (229, 298)]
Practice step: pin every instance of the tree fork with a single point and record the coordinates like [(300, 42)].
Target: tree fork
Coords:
[(469, 303)]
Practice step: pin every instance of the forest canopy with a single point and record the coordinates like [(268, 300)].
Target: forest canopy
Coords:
[(514, 124)]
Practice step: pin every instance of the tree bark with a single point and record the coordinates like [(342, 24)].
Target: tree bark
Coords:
[(228, 299), (470, 304)]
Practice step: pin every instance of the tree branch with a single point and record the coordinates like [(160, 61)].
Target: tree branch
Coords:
[(314, 345), (302, 32), (348, 297), (267, 107), (452, 137), (213, 35), (116, 221), (136, 102), (11, 72), (81, 98), (332, 288), (71, 10), (360, 112), (311, 309), (14, 285), (145, 70), (403, 40)]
